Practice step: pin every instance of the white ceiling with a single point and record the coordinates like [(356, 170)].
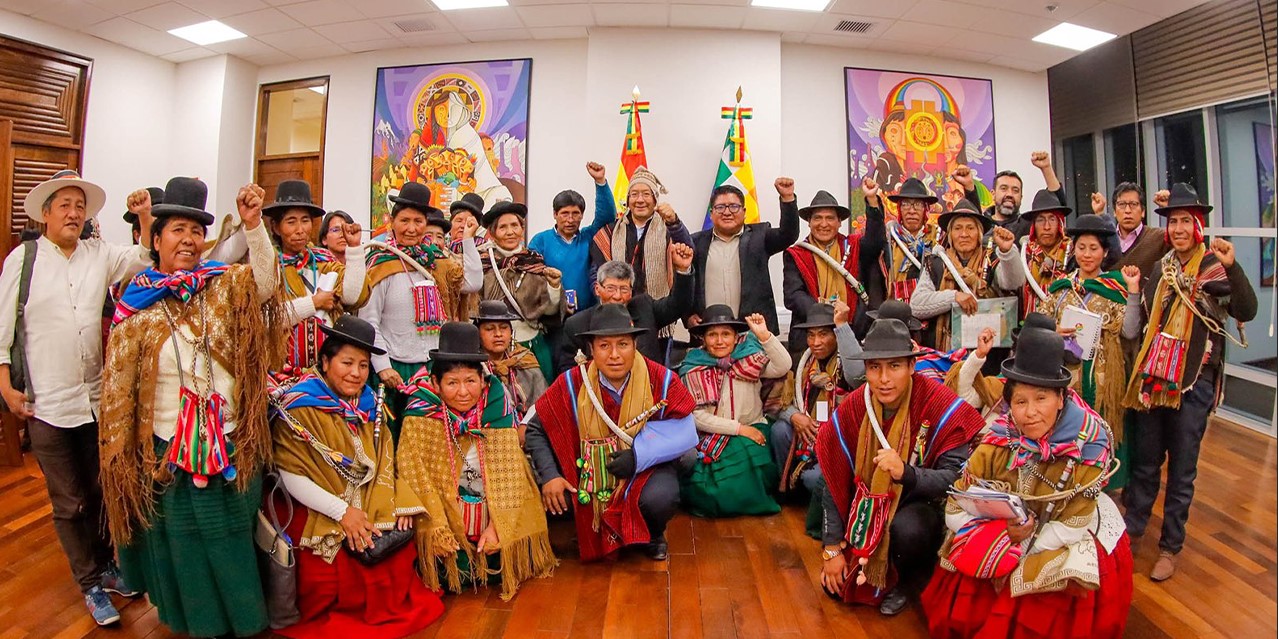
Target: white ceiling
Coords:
[(989, 31)]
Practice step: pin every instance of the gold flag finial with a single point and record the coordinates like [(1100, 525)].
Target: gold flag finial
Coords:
[(635, 93), (738, 95)]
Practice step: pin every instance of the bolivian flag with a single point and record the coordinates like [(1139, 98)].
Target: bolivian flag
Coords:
[(734, 164)]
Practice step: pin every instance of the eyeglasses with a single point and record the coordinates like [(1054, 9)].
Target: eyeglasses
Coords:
[(906, 205), (333, 230), (1126, 205), (727, 208), (613, 289)]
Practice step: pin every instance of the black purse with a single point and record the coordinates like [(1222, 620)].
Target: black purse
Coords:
[(383, 546)]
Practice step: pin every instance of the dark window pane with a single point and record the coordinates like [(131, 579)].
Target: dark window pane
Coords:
[(1182, 152), (1123, 155), (1079, 175)]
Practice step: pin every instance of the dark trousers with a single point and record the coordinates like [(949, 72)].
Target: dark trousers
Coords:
[(915, 535), (69, 459), (1174, 435), (660, 498)]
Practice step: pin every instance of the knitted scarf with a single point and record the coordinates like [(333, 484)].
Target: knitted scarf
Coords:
[(311, 391), (1171, 318), (497, 411), (424, 253), (1078, 435), (704, 375), (308, 258), (657, 270), (521, 260), (1045, 266), (150, 286), (901, 274), (518, 357)]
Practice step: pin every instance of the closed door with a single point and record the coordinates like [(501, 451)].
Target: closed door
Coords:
[(290, 135)]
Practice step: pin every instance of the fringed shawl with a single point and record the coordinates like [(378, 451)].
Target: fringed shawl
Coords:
[(431, 450), (247, 338), (447, 271)]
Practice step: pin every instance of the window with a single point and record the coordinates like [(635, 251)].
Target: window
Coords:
[(1079, 178), (290, 135), (294, 119), (1182, 151), (1123, 161)]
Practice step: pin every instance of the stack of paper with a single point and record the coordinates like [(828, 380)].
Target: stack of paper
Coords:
[(987, 503)]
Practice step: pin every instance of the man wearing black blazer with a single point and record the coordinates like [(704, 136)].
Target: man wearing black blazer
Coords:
[(614, 285), (731, 263)]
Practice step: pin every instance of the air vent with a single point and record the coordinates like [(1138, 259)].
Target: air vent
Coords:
[(854, 26), (414, 25)]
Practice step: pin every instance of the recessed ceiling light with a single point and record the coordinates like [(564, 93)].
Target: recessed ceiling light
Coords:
[(449, 5), (211, 32), (797, 5), (1072, 36)]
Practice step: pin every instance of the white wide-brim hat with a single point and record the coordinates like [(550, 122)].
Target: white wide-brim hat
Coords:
[(94, 196)]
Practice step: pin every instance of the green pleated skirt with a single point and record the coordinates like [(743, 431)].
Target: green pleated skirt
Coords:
[(540, 348), (740, 482), (196, 560)]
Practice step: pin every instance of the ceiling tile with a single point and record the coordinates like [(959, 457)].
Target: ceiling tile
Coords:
[(1162, 8), (435, 39), (962, 54), (1015, 24), (721, 3), (483, 19), (280, 3), (294, 39), (618, 15), (556, 15), (435, 21), (990, 43), (628, 1), (793, 37), (1065, 9), (72, 15), (916, 32), (244, 47), (322, 12), (137, 36), (218, 9), (259, 22), (559, 33), (706, 16), (780, 20), (839, 40), (1018, 63), (318, 50), (361, 31), (873, 8), (169, 15), (496, 35), (23, 7), (892, 46), (958, 16), (536, 3), (1114, 18), (268, 59), (379, 44), (388, 8), (186, 55), (119, 7)]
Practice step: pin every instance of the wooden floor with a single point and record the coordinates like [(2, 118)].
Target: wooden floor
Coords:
[(735, 578)]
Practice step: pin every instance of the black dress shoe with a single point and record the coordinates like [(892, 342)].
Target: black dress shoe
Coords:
[(658, 549), (894, 602)]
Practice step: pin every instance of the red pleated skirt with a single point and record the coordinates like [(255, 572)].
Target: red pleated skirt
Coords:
[(962, 607), (348, 599)]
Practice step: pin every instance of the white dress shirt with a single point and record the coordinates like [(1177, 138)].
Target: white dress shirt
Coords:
[(64, 322)]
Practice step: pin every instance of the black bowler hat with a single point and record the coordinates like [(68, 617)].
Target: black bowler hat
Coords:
[(1045, 202), (352, 330), (469, 202), (458, 342), (1038, 359), (184, 197), (1183, 196), (820, 315), (718, 315), (157, 197), (964, 208), (292, 194), (913, 189), (610, 320), (897, 310), (823, 200), (1091, 224), (494, 311), (1034, 319), (503, 208), (888, 339), (416, 196), (435, 217)]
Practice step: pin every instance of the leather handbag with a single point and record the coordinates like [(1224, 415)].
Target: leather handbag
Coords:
[(276, 560), (383, 547)]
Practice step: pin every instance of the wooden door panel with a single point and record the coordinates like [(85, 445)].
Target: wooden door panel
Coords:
[(44, 93), (271, 172)]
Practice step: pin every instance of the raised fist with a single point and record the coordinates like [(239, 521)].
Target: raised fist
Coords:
[(596, 171), (870, 189), (1098, 204), (249, 201), (681, 256), (785, 188), (963, 175), (1041, 159)]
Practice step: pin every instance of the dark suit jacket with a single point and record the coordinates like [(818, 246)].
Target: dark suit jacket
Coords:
[(644, 311), (758, 243)]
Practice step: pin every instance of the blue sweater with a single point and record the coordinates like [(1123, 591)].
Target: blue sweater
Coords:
[(572, 258)]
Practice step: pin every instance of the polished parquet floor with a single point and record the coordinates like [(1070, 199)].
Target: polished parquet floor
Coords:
[(735, 578)]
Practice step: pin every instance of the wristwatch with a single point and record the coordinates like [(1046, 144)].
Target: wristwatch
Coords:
[(830, 553)]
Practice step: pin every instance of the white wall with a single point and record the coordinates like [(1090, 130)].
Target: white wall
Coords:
[(814, 136), (130, 115)]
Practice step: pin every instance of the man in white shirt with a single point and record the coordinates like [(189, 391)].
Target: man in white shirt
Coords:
[(63, 325)]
